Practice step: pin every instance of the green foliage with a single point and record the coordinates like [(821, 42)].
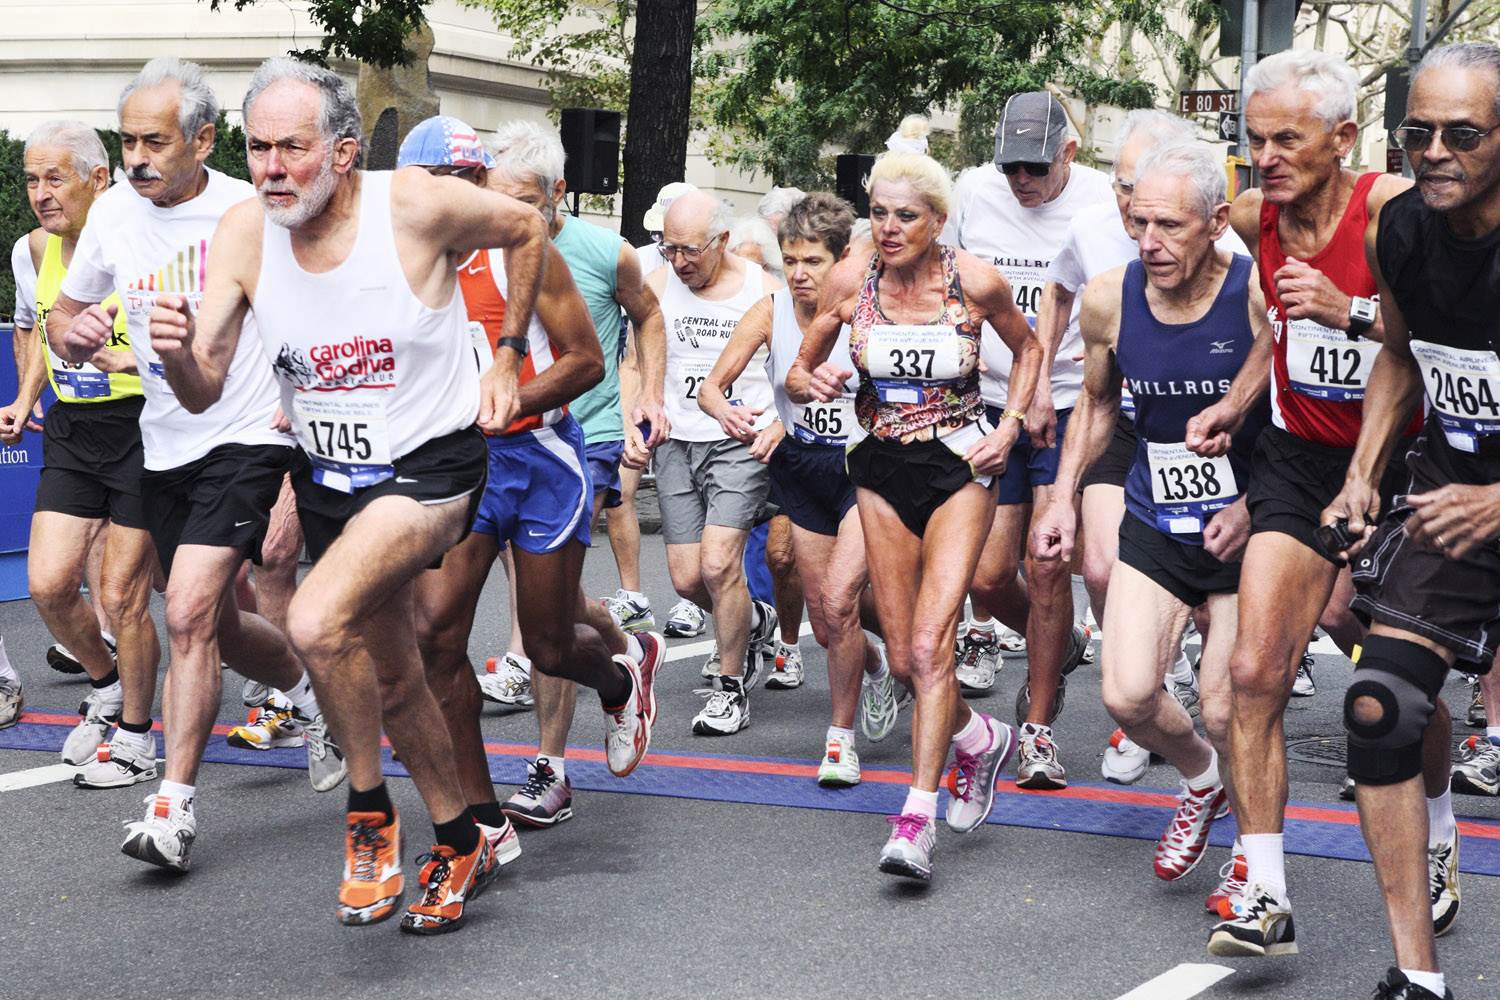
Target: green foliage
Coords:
[(367, 31), (586, 58)]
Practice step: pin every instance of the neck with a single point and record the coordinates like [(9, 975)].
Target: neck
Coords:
[(1199, 285), (805, 311), (188, 193), (343, 206), (69, 244), (1320, 209), (557, 220), (1477, 219)]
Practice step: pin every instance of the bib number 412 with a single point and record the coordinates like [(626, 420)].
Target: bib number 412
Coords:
[(1336, 365)]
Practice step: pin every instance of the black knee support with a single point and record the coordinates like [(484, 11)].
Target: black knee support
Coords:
[(1404, 679)]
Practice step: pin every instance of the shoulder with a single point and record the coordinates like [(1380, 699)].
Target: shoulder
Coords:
[(768, 282), (244, 220), (845, 279), (979, 276), (1103, 290), (1385, 188), (762, 312), (1093, 183), (24, 255)]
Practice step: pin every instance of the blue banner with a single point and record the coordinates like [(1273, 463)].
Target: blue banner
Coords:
[(20, 469)]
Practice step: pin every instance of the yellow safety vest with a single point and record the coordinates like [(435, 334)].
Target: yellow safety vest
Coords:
[(79, 383)]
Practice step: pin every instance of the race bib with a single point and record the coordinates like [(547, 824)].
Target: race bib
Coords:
[(346, 439), (1186, 488), (77, 381), (689, 375), (823, 423), (1027, 282), (1326, 364), (899, 355), (482, 350), (1464, 390)]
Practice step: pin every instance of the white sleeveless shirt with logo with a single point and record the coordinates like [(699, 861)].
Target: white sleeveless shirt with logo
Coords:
[(815, 422), (368, 372), (697, 330)]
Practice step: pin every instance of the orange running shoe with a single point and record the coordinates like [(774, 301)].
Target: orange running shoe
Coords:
[(449, 880), (372, 886)]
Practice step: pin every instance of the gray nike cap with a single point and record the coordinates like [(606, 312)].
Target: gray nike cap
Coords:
[(1032, 128)]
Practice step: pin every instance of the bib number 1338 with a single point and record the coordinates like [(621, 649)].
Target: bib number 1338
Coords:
[(1185, 487)]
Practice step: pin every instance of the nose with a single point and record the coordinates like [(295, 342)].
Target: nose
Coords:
[(274, 165)]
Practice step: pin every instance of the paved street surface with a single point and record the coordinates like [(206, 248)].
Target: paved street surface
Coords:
[(721, 871)]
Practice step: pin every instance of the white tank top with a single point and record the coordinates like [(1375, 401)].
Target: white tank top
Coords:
[(810, 423), (368, 373), (697, 330)]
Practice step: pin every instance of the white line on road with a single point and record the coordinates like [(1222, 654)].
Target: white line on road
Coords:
[(682, 652), (1180, 983), (34, 776)]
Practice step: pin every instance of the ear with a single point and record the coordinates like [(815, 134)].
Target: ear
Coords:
[(99, 180), (203, 142), (1069, 150), (1219, 221), (559, 188), (1344, 138), (345, 152)]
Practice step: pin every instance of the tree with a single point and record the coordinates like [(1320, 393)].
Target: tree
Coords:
[(661, 86), (367, 31)]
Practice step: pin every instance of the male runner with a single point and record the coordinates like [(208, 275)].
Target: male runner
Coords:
[(91, 449), (1178, 324), (1017, 215), (528, 166), (210, 476), (352, 279), (710, 487), (1307, 224), (1426, 569)]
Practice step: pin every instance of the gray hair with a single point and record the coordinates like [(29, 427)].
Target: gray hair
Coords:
[(196, 107), (1465, 55), (778, 201), (1326, 77), (1161, 128), (77, 138), (526, 151), (339, 118), (754, 229), (1198, 162)]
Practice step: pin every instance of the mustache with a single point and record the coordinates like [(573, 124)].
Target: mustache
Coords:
[(1425, 171), (144, 172)]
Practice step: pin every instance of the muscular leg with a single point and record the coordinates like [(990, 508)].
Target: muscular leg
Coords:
[(1102, 507), (625, 531), (557, 697), (560, 646), (91, 573), (125, 593), (55, 568), (276, 578), (998, 590), (844, 589), (1049, 623), (516, 644), (685, 566), (723, 554), (781, 559)]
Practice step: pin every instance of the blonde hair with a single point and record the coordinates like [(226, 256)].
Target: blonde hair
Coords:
[(926, 176)]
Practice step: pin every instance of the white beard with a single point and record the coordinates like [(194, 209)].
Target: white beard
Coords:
[(310, 201)]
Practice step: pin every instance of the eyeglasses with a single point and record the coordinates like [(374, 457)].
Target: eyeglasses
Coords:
[(1126, 188), (1032, 169), (1458, 138), (670, 250)]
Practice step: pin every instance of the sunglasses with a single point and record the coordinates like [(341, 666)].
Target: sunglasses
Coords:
[(1032, 169), (1457, 138)]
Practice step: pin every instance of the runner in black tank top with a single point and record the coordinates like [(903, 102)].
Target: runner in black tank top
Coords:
[(1428, 570)]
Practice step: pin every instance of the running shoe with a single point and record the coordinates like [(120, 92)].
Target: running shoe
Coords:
[(326, 767), (1442, 884), (1078, 647), (505, 843), (127, 759), (971, 780), (1185, 691), (727, 710), (1260, 924), (372, 885), (84, 739), (11, 701), (165, 837), (977, 661), (1395, 986), (786, 670), (763, 642), (1181, 846), (909, 850), (1039, 767), (878, 707), (840, 766), (1476, 768), (1023, 701), (627, 729), (1346, 790), (449, 881), (63, 661), (713, 667), (255, 694), (273, 725), (543, 800), (507, 681), (1302, 684), (1010, 641), (1232, 876), (1477, 717), (685, 620), (1125, 761), (632, 612)]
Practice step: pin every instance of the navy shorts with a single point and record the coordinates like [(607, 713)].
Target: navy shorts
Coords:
[(604, 469), (810, 485), (539, 495), (1029, 467)]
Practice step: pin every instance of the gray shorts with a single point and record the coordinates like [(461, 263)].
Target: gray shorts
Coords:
[(708, 482)]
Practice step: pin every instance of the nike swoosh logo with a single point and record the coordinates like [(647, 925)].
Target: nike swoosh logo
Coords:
[(535, 534), (1022, 131), (475, 270), (241, 524), (403, 479)]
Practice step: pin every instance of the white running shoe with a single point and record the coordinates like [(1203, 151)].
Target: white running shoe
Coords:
[(840, 766), (726, 712), (685, 620), (1302, 684), (326, 768), (270, 727), (1124, 759), (127, 759), (83, 741), (632, 612), (977, 661), (911, 846), (165, 837), (713, 666), (761, 649), (786, 672), (505, 844), (971, 780), (627, 730), (1010, 641), (877, 706), (1442, 882), (255, 694), (507, 681), (11, 701)]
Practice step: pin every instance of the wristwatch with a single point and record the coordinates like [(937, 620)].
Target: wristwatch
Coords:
[(517, 344), (1362, 314), (1020, 416)]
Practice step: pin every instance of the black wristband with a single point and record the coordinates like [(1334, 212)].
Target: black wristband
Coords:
[(517, 344)]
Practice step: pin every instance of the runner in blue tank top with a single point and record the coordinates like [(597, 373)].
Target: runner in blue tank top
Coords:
[(1178, 324)]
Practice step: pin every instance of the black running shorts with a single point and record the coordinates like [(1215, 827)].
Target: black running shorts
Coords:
[(809, 484), (916, 479), (92, 461), (1187, 572), (1113, 466)]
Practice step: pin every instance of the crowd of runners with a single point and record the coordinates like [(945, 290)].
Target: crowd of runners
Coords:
[(1238, 420)]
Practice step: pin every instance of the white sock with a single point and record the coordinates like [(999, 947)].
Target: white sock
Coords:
[(1265, 860), (1492, 733), (985, 626), (1210, 777), (558, 765), (302, 698), (635, 595), (1440, 822), (1427, 980), (6, 670), (173, 790), (839, 733), (634, 649), (112, 696), (1182, 670), (920, 803)]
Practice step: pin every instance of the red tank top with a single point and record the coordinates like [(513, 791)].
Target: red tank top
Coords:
[(1318, 375), (481, 278)]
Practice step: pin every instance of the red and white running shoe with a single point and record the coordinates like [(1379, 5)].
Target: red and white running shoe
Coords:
[(1181, 847)]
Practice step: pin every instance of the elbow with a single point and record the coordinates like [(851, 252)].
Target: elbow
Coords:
[(593, 372)]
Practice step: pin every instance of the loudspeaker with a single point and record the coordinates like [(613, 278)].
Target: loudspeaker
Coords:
[(591, 138), (850, 171)]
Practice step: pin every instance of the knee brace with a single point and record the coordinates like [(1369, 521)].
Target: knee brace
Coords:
[(1404, 679)]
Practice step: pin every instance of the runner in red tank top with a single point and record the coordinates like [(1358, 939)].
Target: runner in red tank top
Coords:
[(1308, 226)]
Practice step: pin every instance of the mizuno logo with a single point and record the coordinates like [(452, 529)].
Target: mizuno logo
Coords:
[(1222, 347)]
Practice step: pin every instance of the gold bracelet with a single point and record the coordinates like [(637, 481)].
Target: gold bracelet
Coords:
[(1020, 416)]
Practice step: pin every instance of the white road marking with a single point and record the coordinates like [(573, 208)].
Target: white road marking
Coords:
[(684, 651), (1324, 646), (34, 776), (1180, 983)]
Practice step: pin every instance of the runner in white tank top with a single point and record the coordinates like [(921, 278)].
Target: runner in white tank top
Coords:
[(391, 468), (710, 487)]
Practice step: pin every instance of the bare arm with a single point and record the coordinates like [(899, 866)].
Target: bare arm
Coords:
[(751, 333), (810, 377), (1051, 321), (578, 359), (1244, 219), (642, 306), (1212, 431), (31, 371)]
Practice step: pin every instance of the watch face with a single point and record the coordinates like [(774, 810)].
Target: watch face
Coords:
[(1364, 310)]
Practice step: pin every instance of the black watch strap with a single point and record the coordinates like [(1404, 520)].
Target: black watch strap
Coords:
[(517, 344)]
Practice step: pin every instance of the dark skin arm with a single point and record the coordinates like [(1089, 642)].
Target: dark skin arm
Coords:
[(578, 360)]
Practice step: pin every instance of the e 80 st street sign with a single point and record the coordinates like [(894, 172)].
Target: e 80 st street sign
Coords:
[(1205, 102)]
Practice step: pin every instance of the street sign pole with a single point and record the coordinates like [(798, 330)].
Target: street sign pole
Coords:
[(1414, 56), (1249, 52)]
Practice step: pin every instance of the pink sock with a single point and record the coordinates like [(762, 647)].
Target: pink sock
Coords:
[(975, 736), (920, 803)]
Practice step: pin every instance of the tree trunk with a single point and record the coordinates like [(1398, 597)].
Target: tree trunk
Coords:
[(661, 88)]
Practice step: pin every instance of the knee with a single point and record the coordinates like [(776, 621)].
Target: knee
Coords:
[(125, 599), (721, 568), (840, 609), (1127, 707), (1260, 684), (192, 617), (549, 645), (991, 579), (930, 647), (780, 560), (1386, 710), (1097, 566), (320, 642), (51, 589), (1215, 713)]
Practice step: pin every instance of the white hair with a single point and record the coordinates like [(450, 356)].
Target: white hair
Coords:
[(1161, 128), (526, 151), (1328, 78), (779, 201), (1198, 162), (1465, 55), (339, 117), (197, 106), (77, 138), (756, 230)]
